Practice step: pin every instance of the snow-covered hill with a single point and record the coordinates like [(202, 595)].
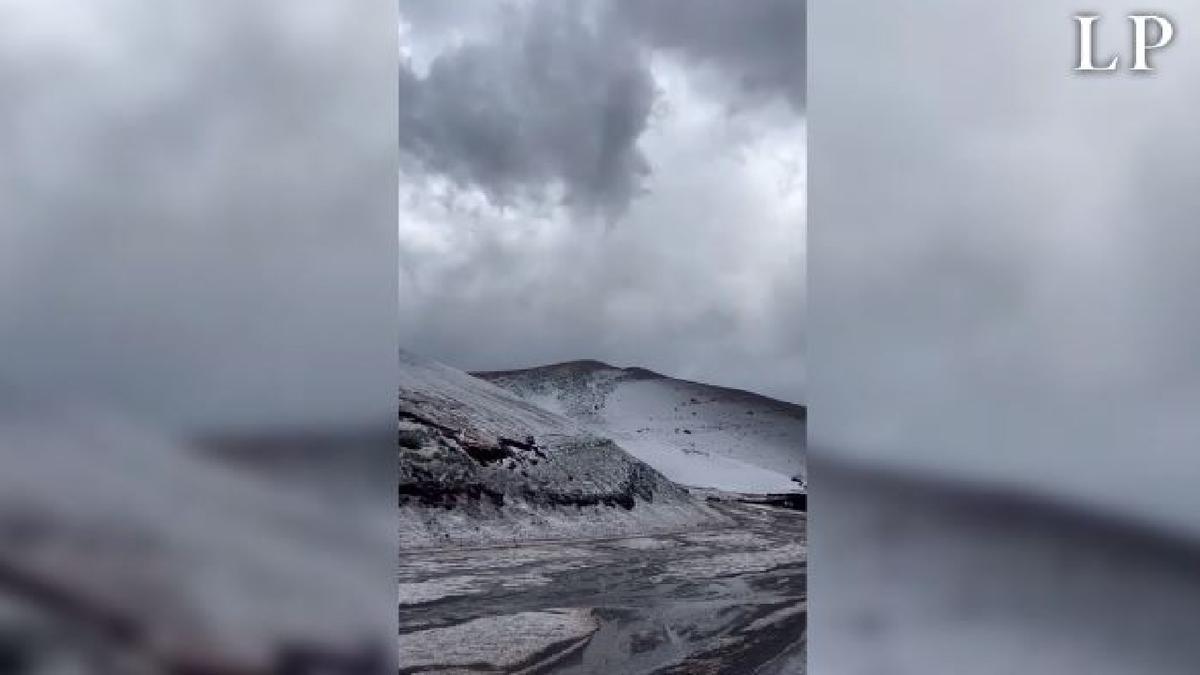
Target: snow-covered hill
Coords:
[(695, 434), (480, 465)]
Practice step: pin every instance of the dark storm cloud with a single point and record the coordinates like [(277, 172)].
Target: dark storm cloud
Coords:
[(558, 95), (554, 97), (704, 275), (435, 16), (199, 208), (760, 44)]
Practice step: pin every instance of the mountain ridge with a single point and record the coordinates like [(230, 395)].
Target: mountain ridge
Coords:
[(697, 434), (481, 465), (634, 371)]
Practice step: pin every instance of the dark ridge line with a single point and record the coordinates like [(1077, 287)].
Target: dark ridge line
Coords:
[(578, 364), (640, 373), (1009, 506), (291, 436)]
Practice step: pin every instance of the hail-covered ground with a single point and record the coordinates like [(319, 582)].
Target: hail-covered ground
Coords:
[(695, 434), (724, 600), (549, 522)]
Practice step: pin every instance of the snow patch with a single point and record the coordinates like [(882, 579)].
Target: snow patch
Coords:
[(498, 643), (695, 434)]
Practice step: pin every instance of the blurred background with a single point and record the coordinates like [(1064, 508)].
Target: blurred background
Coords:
[(1003, 325), (197, 342), (197, 335)]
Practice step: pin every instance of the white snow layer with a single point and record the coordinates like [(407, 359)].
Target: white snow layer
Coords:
[(695, 434), (508, 641)]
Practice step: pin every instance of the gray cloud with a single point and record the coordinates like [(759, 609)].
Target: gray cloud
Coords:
[(199, 208), (554, 97), (702, 277), (760, 44), (1006, 260)]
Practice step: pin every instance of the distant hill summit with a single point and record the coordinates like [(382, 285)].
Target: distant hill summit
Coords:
[(580, 366), (696, 434)]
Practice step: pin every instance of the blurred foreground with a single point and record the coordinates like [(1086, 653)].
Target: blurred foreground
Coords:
[(920, 576), (198, 230), (122, 551)]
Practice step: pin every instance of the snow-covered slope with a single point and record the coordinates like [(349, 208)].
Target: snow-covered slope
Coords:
[(696, 434), (479, 465)]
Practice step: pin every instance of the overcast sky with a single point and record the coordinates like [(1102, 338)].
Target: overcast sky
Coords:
[(197, 208), (618, 180), (1007, 266)]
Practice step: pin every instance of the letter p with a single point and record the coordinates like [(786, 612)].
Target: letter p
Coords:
[(1141, 46)]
